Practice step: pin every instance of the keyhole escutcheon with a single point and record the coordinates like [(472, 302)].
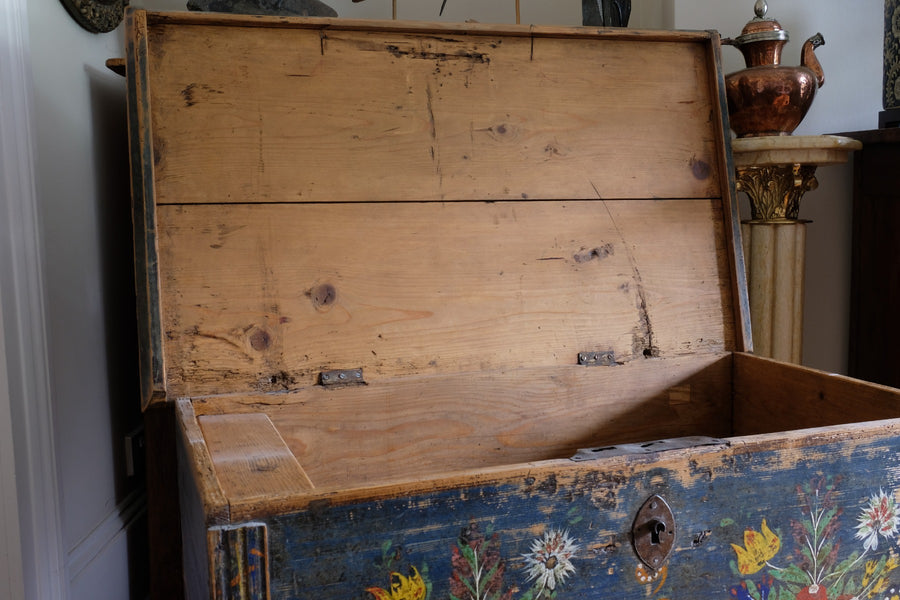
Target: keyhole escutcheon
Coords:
[(653, 532)]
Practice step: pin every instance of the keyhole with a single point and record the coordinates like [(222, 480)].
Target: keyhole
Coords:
[(656, 528)]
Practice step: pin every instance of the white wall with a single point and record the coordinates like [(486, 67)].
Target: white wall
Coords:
[(645, 13), (83, 207)]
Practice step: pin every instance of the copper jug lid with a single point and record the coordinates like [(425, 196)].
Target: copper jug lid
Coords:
[(761, 28)]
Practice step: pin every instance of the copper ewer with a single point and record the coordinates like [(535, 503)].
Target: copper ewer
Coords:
[(767, 98)]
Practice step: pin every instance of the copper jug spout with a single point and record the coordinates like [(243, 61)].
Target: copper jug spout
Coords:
[(808, 57)]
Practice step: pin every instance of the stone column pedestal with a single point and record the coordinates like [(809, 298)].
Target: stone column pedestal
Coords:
[(775, 172)]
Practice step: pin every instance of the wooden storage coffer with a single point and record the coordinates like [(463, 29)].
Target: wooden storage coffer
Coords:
[(457, 312)]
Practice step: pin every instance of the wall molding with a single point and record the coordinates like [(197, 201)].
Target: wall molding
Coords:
[(24, 327), (11, 585), (116, 524)]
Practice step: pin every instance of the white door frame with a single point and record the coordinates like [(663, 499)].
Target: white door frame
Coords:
[(29, 411), (11, 583)]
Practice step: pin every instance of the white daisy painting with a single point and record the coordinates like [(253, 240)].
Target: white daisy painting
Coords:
[(550, 562), (880, 518)]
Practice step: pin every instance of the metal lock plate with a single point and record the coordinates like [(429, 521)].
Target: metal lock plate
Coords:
[(647, 447), (653, 532)]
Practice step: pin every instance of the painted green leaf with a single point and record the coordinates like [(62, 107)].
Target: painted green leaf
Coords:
[(791, 574)]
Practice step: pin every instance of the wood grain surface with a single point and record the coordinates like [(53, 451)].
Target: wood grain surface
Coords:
[(412, 428), (264, 297), (243, 114), (771, 396)]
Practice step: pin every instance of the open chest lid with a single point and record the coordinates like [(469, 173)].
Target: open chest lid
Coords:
[(324, 199)]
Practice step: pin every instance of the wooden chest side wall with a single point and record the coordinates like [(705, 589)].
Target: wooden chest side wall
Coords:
[(418, 428)]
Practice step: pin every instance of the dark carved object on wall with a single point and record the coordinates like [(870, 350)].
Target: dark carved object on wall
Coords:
[(890, 117), (605, 13), (97, 16), (284, 8)]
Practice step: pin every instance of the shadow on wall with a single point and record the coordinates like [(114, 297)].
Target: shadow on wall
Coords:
[(110, 134)]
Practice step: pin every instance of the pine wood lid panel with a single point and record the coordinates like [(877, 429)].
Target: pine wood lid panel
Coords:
[(422, 199), (264, 298), (246, 114)]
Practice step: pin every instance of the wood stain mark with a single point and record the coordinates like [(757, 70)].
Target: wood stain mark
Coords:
[(435, 151), (430, 108), (600, 252), (473, 57), (645, 327), (549, 485), (276, 381), (159, 151), (223, 231), (446, 40), (700, 169), (189, 93), (197, 333), (699, 471)]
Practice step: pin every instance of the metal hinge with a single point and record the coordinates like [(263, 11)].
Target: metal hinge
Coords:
[(597, 359), (342, 377)]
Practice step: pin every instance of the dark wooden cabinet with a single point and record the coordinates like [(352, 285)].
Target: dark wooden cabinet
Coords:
[(875, 285)]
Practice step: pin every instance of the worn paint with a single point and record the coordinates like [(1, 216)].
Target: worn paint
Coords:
[(239, 555), (740, 533)]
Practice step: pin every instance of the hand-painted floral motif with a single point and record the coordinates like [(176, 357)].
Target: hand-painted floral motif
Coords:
[(813, 592), (402, 588), (645, 574), (879, 519), (550, 561), (759, 547), (478, 568), (815, 570), (742, 592)]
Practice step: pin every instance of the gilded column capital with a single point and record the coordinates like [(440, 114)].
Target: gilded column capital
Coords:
[(775, 191)]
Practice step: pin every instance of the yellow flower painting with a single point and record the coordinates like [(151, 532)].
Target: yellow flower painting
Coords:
[(759, 547), (402, 588)]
